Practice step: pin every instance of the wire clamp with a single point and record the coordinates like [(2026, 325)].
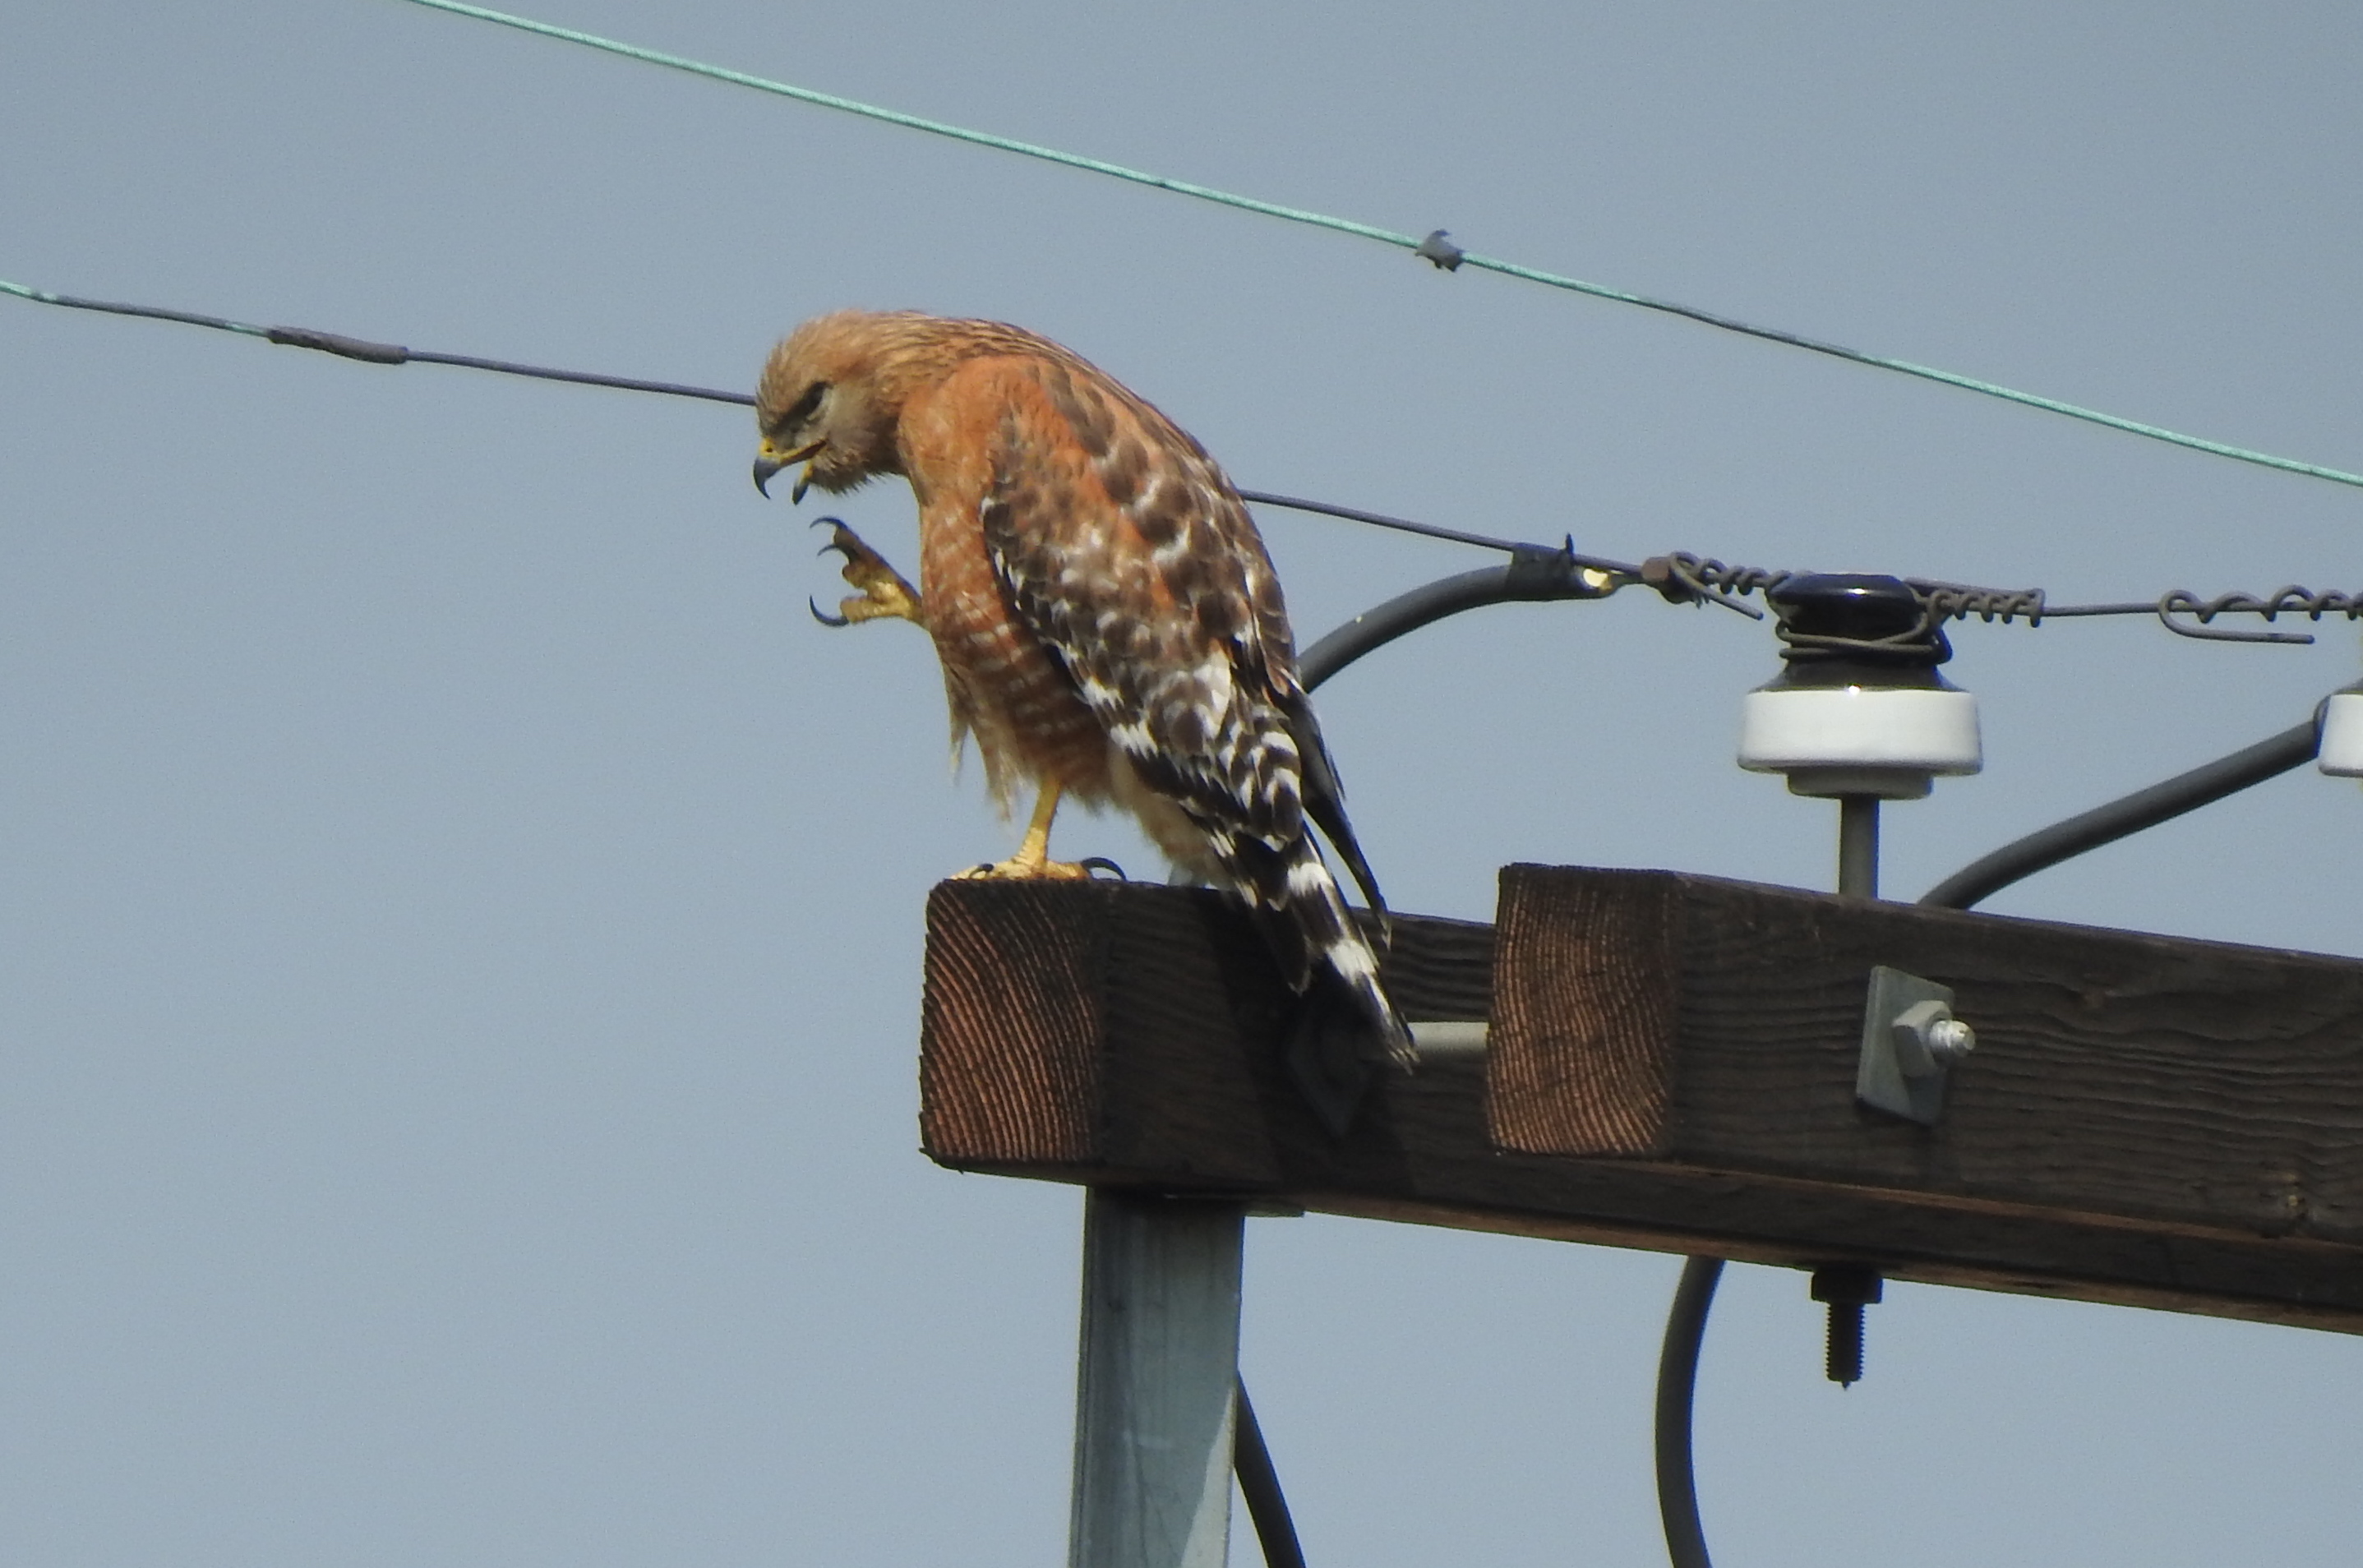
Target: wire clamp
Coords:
[(337, 343), (1911, 1041), (1437, 250)]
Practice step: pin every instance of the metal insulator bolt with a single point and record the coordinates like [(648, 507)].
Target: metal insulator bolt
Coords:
[(1950, 1040), (1846, 1291)]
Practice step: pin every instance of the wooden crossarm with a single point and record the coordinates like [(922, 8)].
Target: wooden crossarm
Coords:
[(2145, 1120)]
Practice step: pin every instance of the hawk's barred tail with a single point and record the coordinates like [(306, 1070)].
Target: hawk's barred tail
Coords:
[(1306, 897)]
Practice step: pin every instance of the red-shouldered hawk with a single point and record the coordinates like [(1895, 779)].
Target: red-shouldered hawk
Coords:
[(1108, 622)]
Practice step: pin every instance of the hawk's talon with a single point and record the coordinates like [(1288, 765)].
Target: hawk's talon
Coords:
[(1021, 868), (885, 594), (834, 544), (823, 616), (1102, 863)]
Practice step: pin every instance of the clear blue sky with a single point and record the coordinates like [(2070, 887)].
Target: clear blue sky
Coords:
[(462, 918)]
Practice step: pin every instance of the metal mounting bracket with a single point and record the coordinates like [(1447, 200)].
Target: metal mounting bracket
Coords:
[(1909, 1041)]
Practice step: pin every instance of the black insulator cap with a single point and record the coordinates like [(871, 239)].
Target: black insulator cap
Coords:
[(1851, 628), (1848, 604)]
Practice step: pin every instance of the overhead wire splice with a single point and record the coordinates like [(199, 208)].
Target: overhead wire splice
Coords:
[(1438, 251)]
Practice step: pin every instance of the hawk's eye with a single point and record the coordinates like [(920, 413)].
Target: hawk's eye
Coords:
[(806, 406)]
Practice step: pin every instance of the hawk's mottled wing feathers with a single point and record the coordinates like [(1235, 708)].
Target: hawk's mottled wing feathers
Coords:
[(1124, 544), (1121, 546)]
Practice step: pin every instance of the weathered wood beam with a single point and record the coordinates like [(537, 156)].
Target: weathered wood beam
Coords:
[(2145, 1121), (1718, 1024)]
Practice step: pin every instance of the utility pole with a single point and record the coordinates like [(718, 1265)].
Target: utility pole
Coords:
[(1154, 1411)]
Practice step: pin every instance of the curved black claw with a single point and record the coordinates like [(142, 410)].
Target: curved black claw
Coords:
[(1102, 863), (823, 616), (837, 545)]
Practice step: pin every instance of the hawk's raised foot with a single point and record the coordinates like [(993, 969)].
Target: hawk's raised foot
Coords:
[(885, 594)]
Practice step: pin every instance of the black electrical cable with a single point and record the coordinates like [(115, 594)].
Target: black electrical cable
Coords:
[(1677, 1383), (1972, 885), (1534, 575), (1260, 1484)]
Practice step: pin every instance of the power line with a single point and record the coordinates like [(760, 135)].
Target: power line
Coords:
[(1402, 524), (150, 312), (369, 351), (1685, 578), (1436, 246), (1679, 576)]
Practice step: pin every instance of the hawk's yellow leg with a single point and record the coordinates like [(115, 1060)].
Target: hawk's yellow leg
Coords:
[(885, 595), (1033, 858)]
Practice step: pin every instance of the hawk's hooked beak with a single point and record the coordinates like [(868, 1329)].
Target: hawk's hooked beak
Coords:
[(770, 460)]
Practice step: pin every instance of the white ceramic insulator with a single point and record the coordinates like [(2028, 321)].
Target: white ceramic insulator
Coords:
[(1912, 730), (2342, 737)]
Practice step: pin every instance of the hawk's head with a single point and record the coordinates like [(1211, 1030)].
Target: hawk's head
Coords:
[(831, 394)]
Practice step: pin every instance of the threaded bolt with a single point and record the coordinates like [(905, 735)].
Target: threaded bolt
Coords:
[(1847, 1290), (1844, 1363)]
